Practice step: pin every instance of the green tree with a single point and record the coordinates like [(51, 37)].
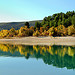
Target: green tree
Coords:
[(63, 21), (51, 23), (59, 22), (73, 20), (27, 24), (43, 22), (37, 25), (46, 26)]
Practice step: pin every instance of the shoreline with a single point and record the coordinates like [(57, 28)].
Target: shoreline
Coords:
[(69, 40)]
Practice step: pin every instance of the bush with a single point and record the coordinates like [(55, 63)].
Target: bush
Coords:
[(4, 33), (36, 33), (71, 30), (61, 30), (12, 32), (45, 33), (51, 31)]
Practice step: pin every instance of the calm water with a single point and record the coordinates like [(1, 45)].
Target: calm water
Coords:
[(37, 60)]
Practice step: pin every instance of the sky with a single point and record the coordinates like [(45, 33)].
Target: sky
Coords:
[(29, 10)]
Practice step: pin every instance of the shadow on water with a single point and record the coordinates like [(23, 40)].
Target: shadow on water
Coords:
[(58, 56)]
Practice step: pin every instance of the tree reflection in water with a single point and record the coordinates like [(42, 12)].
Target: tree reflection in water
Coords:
[(59, 56)]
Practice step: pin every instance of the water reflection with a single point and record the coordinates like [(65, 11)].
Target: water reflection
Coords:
[(59, 56)]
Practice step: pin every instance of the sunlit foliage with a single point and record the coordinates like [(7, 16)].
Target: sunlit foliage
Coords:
[(36, 33), (71, 30), (61, 30)]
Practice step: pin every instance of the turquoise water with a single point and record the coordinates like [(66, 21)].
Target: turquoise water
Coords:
[(37, 60)]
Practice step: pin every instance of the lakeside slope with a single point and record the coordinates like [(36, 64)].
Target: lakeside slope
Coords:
[(40, 41)]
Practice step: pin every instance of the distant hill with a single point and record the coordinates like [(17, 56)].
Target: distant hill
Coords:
[(15, 25)]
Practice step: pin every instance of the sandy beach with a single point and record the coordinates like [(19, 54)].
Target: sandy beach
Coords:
[(40, 41)]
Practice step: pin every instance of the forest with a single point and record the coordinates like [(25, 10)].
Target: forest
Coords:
[(59, 24)]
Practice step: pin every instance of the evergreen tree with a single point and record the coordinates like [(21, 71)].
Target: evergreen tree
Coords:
[(73, 20), (37, 25), (27, 24)]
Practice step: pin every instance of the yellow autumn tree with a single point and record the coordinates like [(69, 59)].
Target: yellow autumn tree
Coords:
[(4, 33), (51, 31), (61, 30), (36, 33), (12, 32), (71, 30)]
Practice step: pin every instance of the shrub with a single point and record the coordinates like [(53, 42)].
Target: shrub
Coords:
[(4, 33), (71, 30), (36, 33), (51, 31), (61, 30), (12, 32)]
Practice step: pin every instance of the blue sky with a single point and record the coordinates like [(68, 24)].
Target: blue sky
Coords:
[(28, 10)]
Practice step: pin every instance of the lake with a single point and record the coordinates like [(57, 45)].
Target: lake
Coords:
[(37, 60)]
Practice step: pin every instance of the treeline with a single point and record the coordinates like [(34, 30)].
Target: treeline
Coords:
[(15, 25), (59, 24), (60, 30), (59, 19)]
